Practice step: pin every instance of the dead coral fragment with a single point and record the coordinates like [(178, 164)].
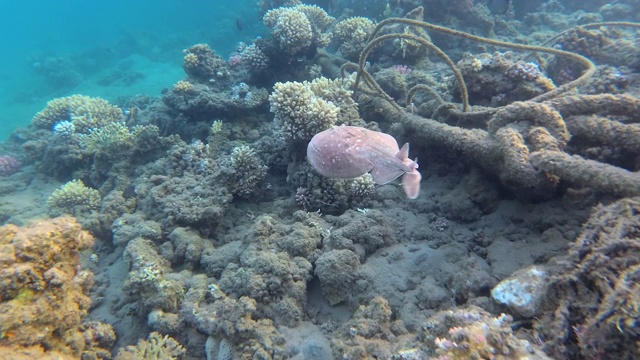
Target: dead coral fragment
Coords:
[(155, 347), (43, 296), (73, 196)]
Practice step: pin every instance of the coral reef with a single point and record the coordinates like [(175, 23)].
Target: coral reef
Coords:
[(44, 293), (201, 63), (473, 334), (8, 165), (497, 79), (216, 238), (336, 271)]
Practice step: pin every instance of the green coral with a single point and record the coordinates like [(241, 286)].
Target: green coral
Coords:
[(83, 111), (113, 137), (72, 196)]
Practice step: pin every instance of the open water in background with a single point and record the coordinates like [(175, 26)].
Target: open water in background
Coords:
[(111, 49)]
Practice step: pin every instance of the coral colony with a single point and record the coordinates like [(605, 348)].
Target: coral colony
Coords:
[(261, 207)]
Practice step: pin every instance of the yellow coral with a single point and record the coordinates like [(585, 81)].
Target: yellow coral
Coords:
[(43, 296), (183, 86), (83, 111), (190, 60), (155, 347), (72, 195)]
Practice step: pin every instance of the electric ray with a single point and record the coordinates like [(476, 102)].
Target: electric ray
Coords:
[(351, 151)]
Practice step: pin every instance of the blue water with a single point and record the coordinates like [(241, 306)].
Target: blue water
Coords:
[(108, 49)]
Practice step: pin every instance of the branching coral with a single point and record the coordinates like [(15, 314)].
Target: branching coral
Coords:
[(83, 111), (352, 34), (155, 347), (299, 28), (306, 108), (248, 171), (73, 197)]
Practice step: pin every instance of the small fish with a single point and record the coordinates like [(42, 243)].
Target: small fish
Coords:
[(351, 151), (499, 6), (239, 23)]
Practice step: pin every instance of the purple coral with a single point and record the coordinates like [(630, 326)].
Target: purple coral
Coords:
[(8, 165)]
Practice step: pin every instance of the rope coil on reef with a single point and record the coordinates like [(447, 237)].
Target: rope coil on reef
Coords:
[(523, 142)]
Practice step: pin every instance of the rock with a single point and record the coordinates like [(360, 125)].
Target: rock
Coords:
[(522, 291)]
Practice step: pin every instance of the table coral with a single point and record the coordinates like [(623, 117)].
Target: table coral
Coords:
[(44, 294)]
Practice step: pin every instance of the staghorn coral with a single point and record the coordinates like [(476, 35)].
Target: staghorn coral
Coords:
[(155, 347), (83, 111), (43, 294), (72, 198), (183, 86), (111, 136), (352, 34)]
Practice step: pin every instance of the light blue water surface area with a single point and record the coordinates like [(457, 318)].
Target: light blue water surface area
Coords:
[(110, 49)]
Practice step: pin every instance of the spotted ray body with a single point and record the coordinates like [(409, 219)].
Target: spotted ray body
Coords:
[(351, 151)]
